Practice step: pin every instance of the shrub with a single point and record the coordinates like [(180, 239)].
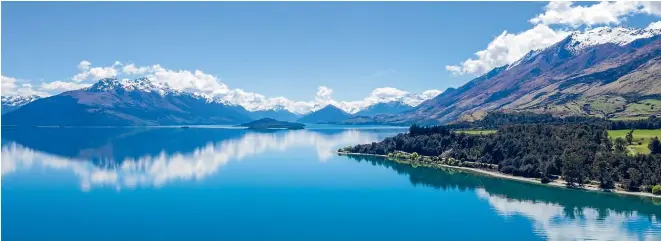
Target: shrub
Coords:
[(545, 180), (656, 190), (508, 169)]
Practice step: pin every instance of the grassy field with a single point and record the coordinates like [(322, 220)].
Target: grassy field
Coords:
[(639, 136), (477, 132)]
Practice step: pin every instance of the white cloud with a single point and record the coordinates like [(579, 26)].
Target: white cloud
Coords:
[(551, 221), (94, 73), (654, 25), (651, 8), (509, 47), (62, 86), (196, 81), (453, 69), (202, 83), (566, 13), (131, 69), (13, 86), (253, 101), (184, 80), (84, 65)]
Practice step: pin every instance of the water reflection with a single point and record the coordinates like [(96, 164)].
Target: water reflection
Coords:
[(556, 214), (130, 157)]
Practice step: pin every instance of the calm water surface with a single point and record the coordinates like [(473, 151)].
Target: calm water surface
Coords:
[(234, 184)]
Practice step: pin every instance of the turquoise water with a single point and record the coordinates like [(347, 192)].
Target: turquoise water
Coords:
[(235, 184)]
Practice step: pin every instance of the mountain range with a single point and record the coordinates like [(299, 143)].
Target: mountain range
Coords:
[(12, 103), (112, 102), (605, 72), (145, 102)]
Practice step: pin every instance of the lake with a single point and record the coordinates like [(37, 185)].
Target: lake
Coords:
[(236, 184)]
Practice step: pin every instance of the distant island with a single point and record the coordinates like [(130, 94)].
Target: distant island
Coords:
[(268, 123)]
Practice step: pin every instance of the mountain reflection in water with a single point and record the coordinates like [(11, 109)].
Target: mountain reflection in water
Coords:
[(558, 214), (285, 179), (130, 157)]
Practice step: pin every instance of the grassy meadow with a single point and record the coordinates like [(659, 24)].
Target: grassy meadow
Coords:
[(641, 138)]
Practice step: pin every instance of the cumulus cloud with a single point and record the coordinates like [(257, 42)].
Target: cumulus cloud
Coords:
[(200, 82), (94, 73), (566, 13), (185, 80), (62, 86), (13, 86), (508, 48), (131, 69), (654, 25)]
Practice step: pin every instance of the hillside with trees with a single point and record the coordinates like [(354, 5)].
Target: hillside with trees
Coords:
[(578, 152)]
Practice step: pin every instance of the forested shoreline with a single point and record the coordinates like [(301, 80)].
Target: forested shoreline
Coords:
[(575, 149), (494, 120)]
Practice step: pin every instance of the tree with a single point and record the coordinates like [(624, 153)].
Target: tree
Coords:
[(620, 145), (573, 170), (656, 190), (633, 182), (629, 137), (655, 146), (604, 171)]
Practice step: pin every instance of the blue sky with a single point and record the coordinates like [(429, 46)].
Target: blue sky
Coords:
[(274, 49)]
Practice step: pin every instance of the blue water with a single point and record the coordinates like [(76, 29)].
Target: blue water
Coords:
[(235, 184)]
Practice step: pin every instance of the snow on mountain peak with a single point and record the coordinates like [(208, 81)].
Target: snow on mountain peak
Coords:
[(257, 102), (140, 84), (602, 35), (18, 100)]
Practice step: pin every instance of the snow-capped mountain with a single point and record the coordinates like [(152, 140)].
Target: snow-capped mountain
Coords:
[(579, 41), (574, 76), (13, 102), (112, 102), (17, 100)]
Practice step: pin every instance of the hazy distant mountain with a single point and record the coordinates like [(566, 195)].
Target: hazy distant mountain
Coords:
[(604, 72), (394, 107), (275, 113), (268, 123), (327, 114), (126, 102), (12, 103)]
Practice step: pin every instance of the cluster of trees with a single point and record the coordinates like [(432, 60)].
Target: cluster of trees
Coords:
[(651, 122), (578, 152), (494, 120)]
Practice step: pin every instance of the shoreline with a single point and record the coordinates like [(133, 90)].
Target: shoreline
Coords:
[(496, 174)]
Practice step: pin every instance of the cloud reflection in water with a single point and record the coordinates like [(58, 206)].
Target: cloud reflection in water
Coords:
[(167, 166)]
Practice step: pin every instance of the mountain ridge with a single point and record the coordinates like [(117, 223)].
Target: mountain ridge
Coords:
[(558, 80)]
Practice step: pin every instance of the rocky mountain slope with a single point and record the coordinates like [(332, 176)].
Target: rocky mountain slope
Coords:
[(606, 72)]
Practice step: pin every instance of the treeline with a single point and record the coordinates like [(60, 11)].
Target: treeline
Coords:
[(578, 152), (652, 122), (494, 120)]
